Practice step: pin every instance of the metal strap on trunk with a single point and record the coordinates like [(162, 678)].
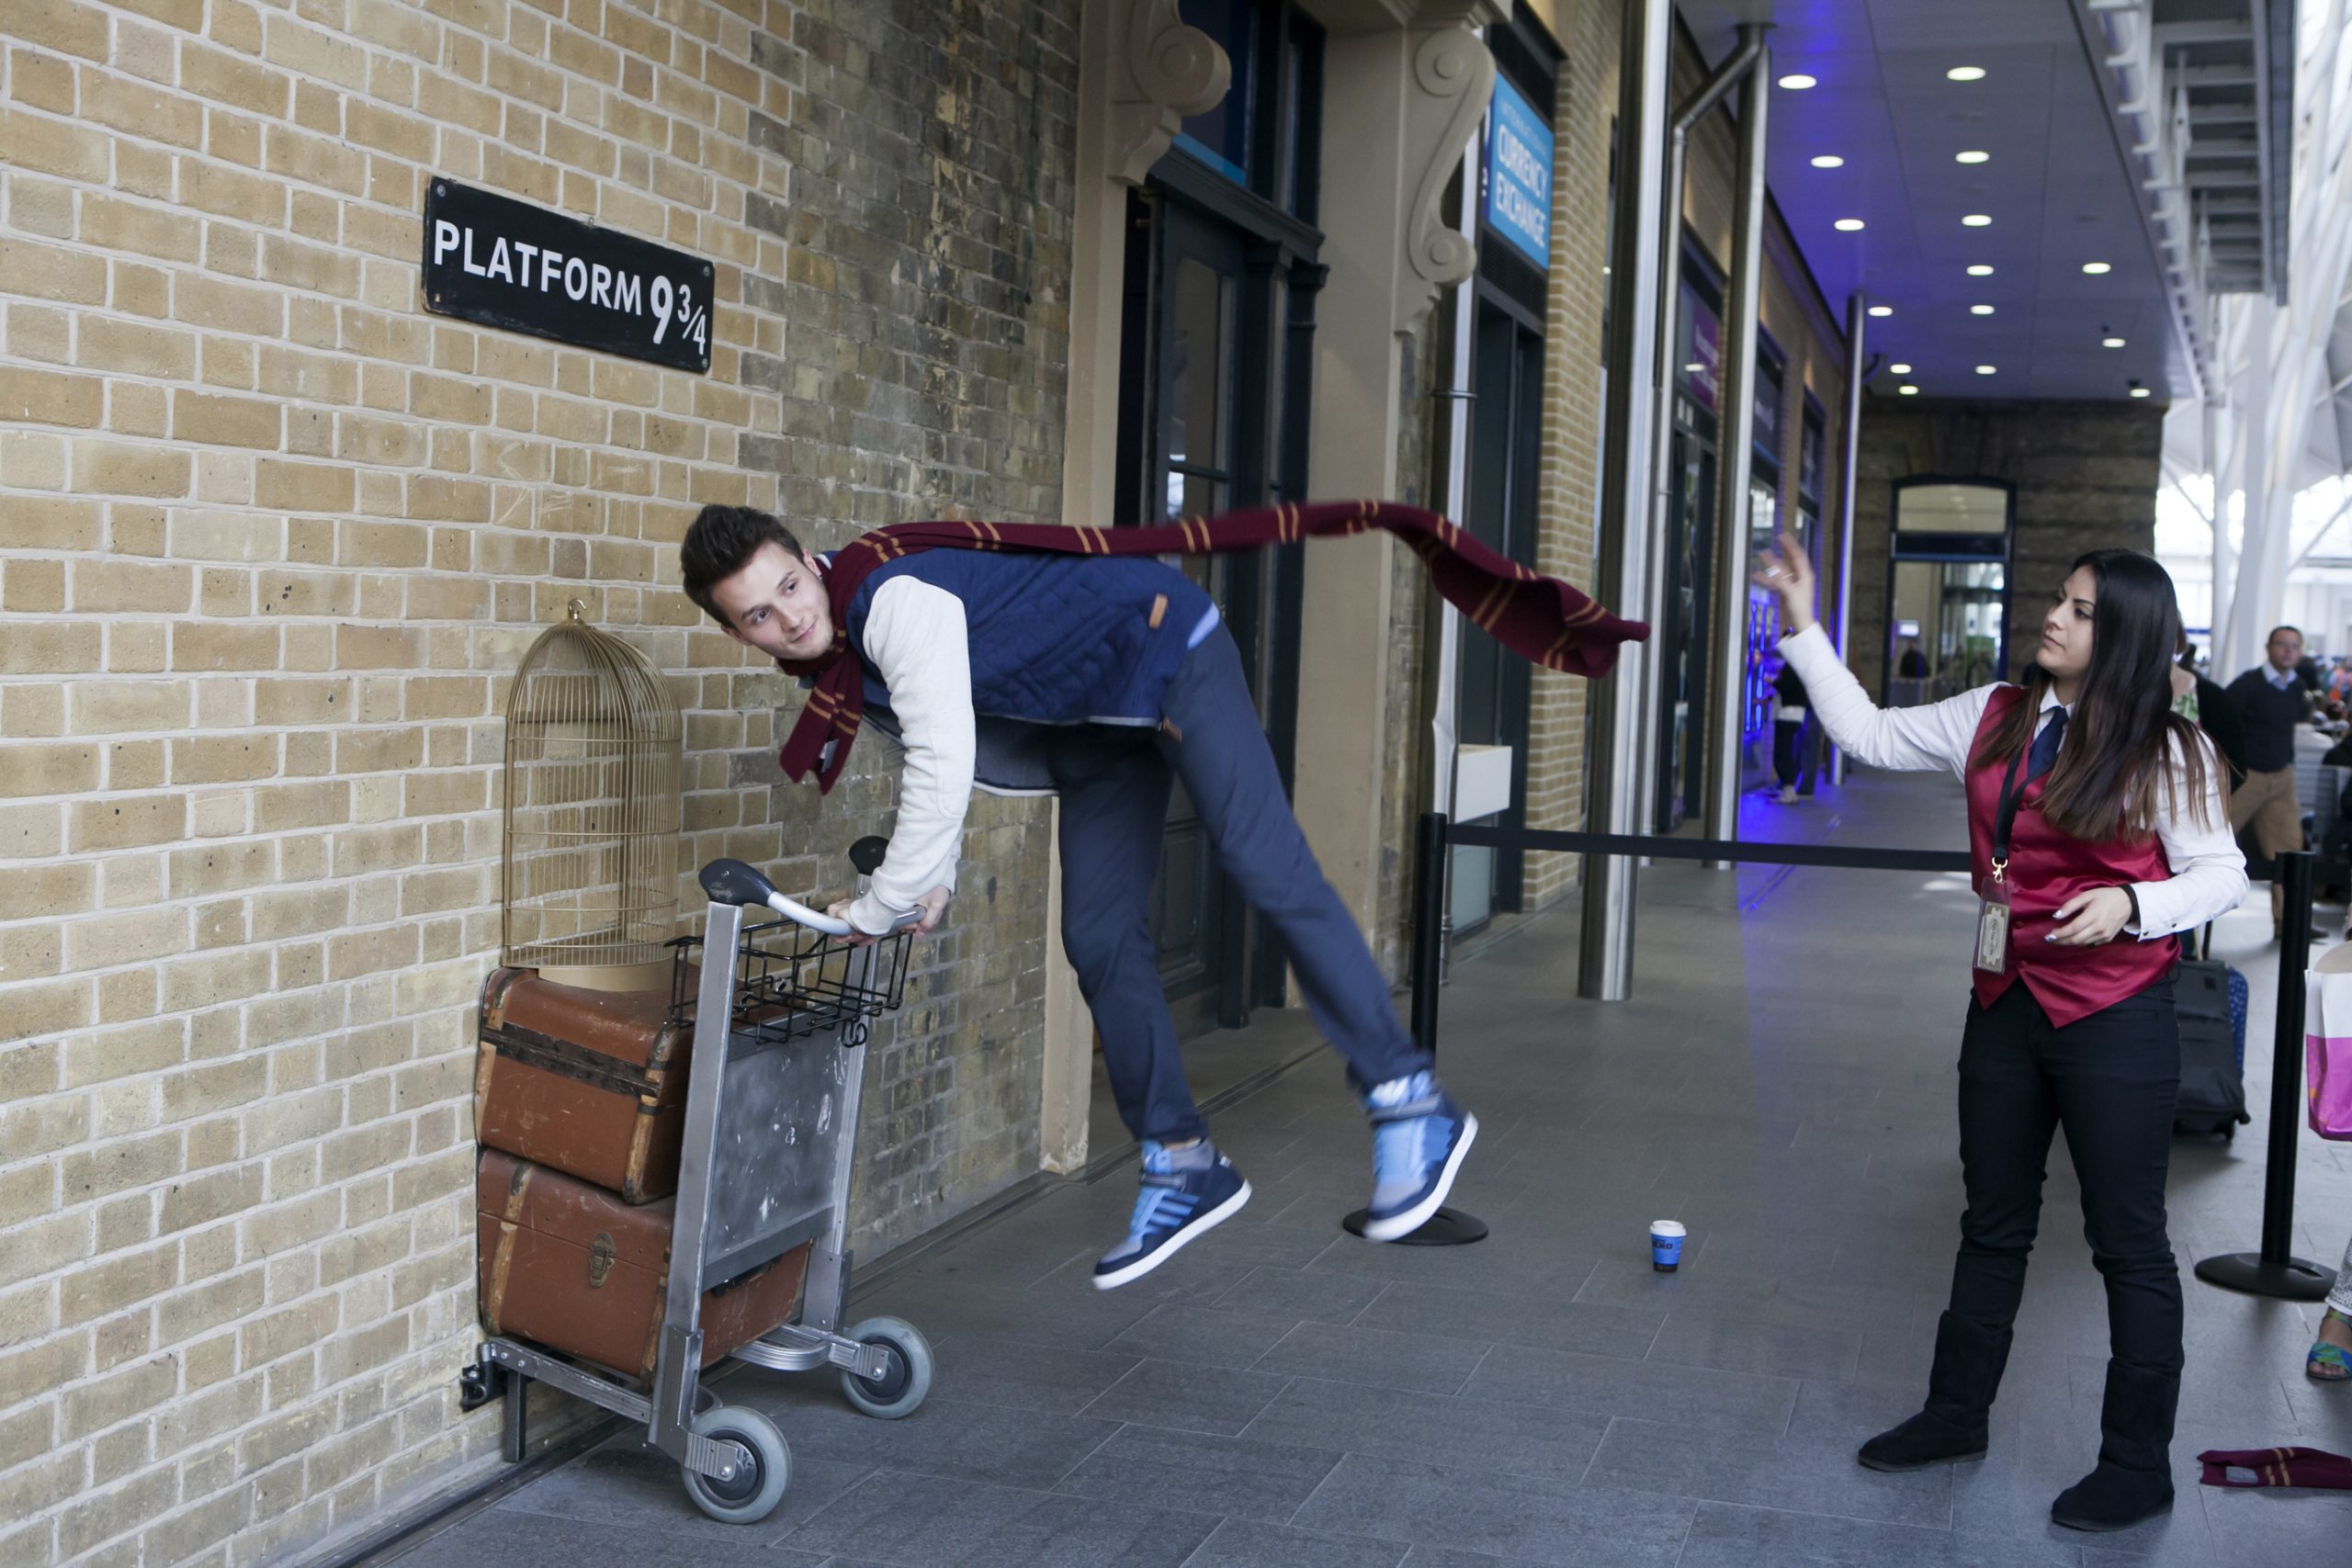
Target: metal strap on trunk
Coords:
[(529, 1048)]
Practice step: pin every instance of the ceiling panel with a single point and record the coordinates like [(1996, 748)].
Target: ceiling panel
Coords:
[(2053, 185)]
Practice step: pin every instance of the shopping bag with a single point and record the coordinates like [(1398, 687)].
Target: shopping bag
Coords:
[(2327, 1044)]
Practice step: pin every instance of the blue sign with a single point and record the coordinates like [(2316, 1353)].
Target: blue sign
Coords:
[(1519, 174)]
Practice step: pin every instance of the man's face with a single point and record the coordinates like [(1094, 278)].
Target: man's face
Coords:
[(777, 605), (2286, 650)]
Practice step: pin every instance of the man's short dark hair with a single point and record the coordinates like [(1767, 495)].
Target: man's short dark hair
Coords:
[(2276, 630), (720, 542)]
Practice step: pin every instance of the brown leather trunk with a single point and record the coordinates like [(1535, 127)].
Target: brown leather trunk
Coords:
[(591, 1083), (574, 1268)]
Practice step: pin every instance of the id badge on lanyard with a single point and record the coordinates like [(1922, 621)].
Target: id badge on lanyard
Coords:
[(1993, 923), (1993, 906)]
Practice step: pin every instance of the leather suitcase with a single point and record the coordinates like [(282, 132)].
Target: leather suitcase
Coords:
[(590, 1083), (574, 1268)]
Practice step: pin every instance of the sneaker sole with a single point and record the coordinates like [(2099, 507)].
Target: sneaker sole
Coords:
[(1175, 1244), (1405, 1222)]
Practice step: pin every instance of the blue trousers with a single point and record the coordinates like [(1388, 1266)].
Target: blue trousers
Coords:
[(1115, 786)]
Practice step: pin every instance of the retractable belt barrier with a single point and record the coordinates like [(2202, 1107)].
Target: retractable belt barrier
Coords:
[(2273, 1272)]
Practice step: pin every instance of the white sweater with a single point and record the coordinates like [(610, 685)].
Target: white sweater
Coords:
[(915, 636)]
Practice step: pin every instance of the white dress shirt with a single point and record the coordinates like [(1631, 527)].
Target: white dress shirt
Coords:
[(2208, 870)]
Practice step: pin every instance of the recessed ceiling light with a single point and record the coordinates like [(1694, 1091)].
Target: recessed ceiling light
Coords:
[(1693, 369), (2139, 391), (1882, 310), (1970, 157), (1908, 392), (1980, 310), (1987, 369), (1797, 82), (1965, 74), (1829, 161), (2110, 342), (1846, 225), (1980, 270), (1976, 220), (2096, 268), (1900, 369)]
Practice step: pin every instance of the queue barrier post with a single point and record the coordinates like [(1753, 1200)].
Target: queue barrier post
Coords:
[(2274, 1271), (1447, 1227)]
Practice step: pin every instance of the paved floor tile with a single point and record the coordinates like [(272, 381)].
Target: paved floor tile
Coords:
[(1142, 1466), (1187, 1397), (920, 1521), (1540, 1521), (1379, 1357)]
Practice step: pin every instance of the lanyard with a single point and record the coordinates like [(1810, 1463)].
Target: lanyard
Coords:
[(2005, 814)]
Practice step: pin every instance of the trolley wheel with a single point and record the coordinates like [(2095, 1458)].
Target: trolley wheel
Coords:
[(898, 1392), (758, 1486)]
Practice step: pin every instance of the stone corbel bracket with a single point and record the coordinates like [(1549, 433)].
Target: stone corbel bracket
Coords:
[(1455, 75), (1168, 69)]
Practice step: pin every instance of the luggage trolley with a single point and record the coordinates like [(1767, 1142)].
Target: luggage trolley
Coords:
[(771, 1138)]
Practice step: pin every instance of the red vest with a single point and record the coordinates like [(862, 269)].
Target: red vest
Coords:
[(2046, 868)]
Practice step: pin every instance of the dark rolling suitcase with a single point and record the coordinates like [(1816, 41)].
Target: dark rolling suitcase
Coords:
[(2210, 999), (574, 1268), (591, 1083)]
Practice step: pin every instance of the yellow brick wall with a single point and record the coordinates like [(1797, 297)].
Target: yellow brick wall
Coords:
[(270, 536), (1568, 479)]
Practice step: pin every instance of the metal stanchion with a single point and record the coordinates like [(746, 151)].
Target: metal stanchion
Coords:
[(1447, 1227), (2274, 1271)]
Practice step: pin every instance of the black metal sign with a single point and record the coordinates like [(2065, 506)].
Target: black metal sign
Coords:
[(504, 262)]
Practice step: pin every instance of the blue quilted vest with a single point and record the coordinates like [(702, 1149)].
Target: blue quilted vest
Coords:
[(1056, 640)]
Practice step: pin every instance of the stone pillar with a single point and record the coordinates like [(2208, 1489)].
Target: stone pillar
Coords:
[(1404, 86)]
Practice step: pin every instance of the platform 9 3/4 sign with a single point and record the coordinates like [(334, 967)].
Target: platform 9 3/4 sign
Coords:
[(504, 262)]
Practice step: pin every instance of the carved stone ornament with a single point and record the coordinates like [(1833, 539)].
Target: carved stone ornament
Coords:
[(1448, 65), (1166, 70)]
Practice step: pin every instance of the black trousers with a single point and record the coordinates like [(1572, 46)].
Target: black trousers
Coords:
[(1786, 757), (2110, 1081)]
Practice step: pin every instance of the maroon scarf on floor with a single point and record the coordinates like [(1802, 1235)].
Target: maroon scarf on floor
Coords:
[(1540, 618)]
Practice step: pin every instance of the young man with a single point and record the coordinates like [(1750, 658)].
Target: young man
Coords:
[(2272, 702), (1104, 679)]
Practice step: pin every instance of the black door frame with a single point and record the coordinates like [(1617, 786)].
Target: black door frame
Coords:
[(1187, 208)]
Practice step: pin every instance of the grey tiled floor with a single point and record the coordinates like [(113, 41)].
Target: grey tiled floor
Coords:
[(1282, 1395)]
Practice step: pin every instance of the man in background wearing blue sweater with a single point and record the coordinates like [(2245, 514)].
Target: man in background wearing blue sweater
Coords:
[(2272, 700)]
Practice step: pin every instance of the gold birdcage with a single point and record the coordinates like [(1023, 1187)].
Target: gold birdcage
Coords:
[(593, 754)]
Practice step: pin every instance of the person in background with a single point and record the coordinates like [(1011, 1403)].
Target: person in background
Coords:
[(2331, 1355), (2270, 702), (1788, 731), (1911, 664), (2098, 832), (2205, 704)]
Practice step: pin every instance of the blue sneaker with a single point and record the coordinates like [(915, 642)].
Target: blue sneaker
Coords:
[(1418, 1136), (1186, 1194)]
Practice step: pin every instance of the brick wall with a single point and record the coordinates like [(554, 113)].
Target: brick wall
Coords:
[(1568, 491), (2087, 476), (274, 535)]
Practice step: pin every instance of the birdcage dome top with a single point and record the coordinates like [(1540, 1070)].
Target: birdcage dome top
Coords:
[(575, 674)]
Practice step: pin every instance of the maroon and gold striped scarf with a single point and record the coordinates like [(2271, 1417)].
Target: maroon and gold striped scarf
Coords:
[(1540, 618)]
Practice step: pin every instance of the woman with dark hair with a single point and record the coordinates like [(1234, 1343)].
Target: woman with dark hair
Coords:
[(2097, 824)]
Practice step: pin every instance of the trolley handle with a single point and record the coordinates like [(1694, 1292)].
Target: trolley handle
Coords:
[(733, 882)]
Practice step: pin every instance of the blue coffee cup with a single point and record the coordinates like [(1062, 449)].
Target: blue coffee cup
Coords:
[(1665, 1245)]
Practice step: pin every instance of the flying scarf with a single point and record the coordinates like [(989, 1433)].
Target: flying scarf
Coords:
[(1540, 618)]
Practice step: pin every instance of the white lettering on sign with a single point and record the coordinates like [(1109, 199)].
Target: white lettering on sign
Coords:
[(1517, 160), (599, 284)]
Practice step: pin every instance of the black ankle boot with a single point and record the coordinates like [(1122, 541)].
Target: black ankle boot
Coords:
[(1961, 1385), (2133, 1479)]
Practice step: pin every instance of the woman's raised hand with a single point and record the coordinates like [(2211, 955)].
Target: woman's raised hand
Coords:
[(1786, 572)]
